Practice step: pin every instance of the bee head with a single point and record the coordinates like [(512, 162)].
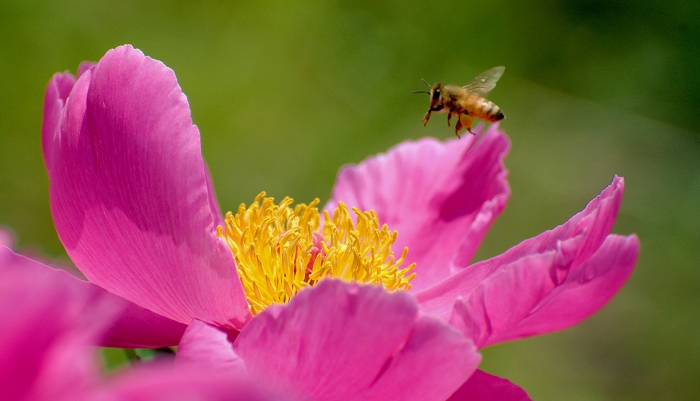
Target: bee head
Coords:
[(436, 103)]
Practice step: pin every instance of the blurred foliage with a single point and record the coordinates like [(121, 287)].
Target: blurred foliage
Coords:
[(115, 358), (284, 93)]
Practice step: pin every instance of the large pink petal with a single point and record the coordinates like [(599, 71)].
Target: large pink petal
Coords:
[(206, 347), (131, 327), (585, 291), (342, 341), (130, 198), (573, 243), (441, 197), (482, 386)]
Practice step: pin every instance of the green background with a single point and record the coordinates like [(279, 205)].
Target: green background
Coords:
[(284, 93)]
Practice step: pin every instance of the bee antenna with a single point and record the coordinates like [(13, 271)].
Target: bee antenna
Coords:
[(425, 82), (420, 92)]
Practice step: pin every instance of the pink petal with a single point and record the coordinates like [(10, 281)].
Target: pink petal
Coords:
[(130, 197), (84, 66), (136, 327), (490, 298), (206, 347), (47, 325), (131, 327), (57, 92), (482, 386), (213, 202), (504, 299), (7, 238), (574, 242), (342, 341), (158, 383), (426, 367), (585, 290), (441, 197)]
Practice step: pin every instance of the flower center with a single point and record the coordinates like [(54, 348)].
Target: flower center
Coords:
[(280, 250)]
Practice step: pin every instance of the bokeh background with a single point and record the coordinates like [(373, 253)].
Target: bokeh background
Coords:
[(286, 92)]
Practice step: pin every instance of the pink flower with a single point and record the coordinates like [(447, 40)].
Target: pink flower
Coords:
[(134, 206), (50, 321)]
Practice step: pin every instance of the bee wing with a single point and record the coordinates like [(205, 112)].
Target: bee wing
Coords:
[(486, 81)]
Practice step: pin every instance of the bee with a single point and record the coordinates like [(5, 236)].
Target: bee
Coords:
[(467, 102)]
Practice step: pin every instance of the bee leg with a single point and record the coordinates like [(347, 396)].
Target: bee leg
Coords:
[(458, 127), (426, 118), (466, 121), (449, 117)]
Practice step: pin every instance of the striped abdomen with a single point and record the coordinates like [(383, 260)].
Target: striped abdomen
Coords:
[(482, 108)]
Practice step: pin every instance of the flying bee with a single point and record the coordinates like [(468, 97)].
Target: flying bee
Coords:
[(467, 102)]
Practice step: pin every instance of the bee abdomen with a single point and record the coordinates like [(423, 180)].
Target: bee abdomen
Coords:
[(497, 113), (484, 109)]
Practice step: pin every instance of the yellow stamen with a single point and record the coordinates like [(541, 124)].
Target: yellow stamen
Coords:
[(280, 250)]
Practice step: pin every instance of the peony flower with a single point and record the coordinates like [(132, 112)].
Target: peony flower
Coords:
[(134, 206), (50, 320)]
